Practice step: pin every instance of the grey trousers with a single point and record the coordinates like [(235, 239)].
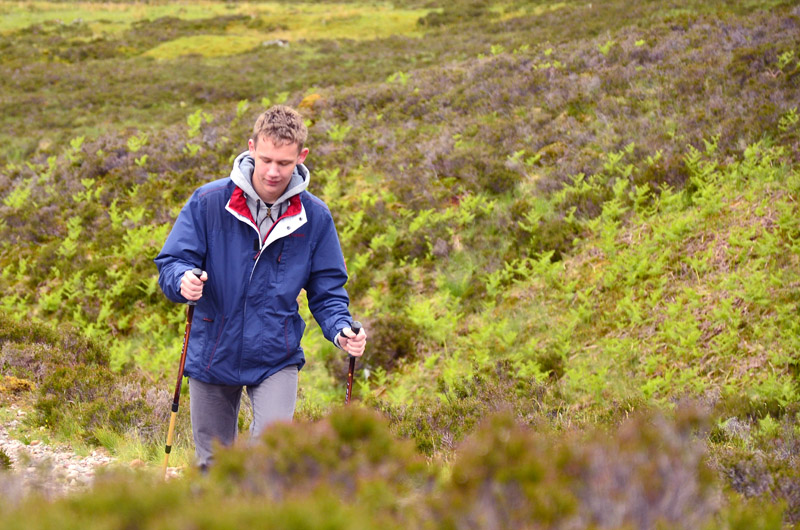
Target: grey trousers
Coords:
[(215, 409)]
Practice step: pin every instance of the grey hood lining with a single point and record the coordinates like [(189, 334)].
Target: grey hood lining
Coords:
[(242, 176)]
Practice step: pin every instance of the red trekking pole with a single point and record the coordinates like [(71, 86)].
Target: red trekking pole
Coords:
[(177, 397), (356, 328)]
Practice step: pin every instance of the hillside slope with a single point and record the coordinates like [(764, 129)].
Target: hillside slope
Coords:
[(569, 212)]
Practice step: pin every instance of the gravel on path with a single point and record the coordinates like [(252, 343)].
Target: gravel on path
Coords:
[(49, 470)]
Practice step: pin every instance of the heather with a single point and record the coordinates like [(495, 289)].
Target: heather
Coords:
[(348, 471), (571, 232)]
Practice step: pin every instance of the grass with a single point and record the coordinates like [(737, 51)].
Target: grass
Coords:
[(108, 17), (138, 35), (343, 21), (274, 20), (205, 45), (127, 447)]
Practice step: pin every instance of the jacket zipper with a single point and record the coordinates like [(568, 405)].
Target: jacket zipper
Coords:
[(249, 280), (244, 312)]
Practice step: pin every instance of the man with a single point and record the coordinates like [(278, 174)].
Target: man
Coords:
[(260, 238)]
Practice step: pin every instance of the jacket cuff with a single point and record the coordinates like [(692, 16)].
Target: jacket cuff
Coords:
[(340, 325), (178, 294)]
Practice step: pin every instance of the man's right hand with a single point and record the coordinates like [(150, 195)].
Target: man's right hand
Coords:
[(192, 286)]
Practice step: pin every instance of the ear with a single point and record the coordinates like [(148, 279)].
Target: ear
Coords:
[(302, 156), (252, 147)]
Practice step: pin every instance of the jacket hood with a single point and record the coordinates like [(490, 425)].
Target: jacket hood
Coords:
[(242, 176)]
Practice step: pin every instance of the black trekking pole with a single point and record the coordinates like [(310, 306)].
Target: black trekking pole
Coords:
[(356, 328), (176, 398)]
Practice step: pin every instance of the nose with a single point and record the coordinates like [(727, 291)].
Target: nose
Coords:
[(273, 170)]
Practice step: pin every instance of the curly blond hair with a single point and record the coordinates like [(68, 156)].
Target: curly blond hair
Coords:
[(281, 124)]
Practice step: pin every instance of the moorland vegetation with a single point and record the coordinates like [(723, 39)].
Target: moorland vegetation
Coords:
[(571, 228)]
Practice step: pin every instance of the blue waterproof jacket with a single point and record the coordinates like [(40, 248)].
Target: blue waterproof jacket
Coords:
[(246, 325)]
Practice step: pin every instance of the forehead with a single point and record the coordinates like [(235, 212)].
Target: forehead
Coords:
[(275, 148)]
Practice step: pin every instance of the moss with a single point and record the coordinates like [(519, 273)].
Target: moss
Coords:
[(14, 385)]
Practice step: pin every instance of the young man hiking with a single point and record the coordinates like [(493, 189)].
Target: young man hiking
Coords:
[(260, 237)]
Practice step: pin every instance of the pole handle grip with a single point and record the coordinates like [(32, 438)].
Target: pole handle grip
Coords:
[(197, 271), (356, 328)]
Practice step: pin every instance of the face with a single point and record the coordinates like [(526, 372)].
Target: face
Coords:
[(274, 167)]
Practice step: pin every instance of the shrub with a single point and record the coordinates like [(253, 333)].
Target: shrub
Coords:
[(507, 475), (31, 349), (394, 340), (438, 423), (97, 399), (75, 385), (758, 460), (348, 471), (351, 455), (5, 461)]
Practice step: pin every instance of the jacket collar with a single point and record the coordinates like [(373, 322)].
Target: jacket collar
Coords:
[(237, 206)]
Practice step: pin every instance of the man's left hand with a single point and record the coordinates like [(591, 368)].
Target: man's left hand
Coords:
[(352, 343)]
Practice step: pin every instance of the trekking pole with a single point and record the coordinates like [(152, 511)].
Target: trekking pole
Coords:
[(356, 328), (176, 398)]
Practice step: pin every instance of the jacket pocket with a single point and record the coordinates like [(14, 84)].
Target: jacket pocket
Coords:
[(213, 332), (292, 265), (294, 327), (280, 339)]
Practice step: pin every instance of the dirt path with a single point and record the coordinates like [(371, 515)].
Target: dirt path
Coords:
[(49, 470)]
